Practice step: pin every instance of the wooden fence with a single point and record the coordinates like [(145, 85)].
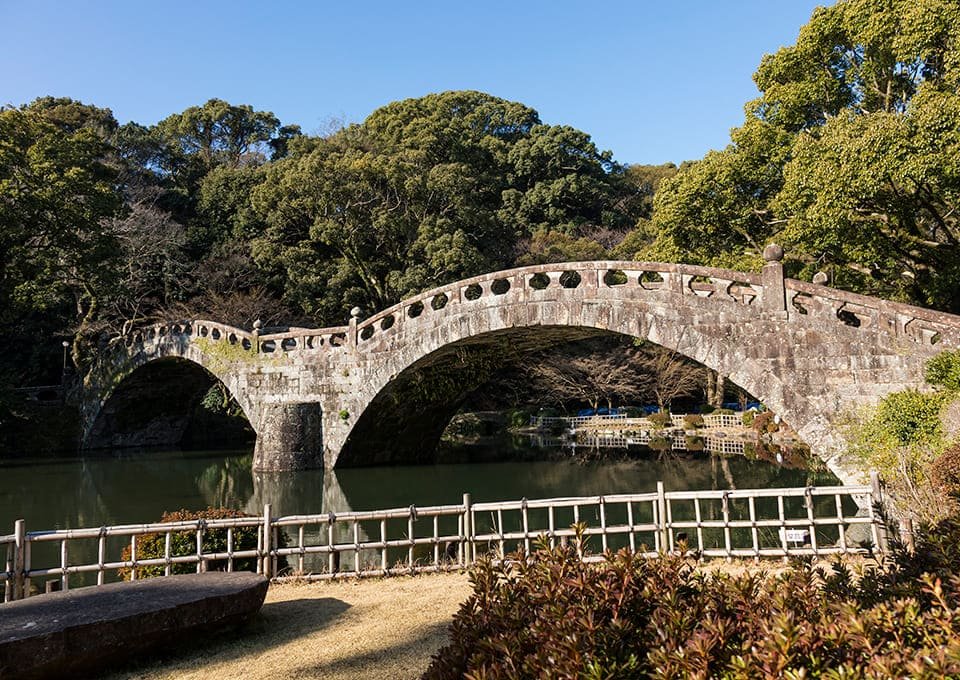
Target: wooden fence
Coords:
[(735, 523)]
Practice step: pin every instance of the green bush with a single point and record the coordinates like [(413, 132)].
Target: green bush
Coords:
[(661, 419), (900, 438), (724, 412), (910, 417), (943, 370), (548, 614), (183, 543), (748, 417), (519, 417), (692, 421), (660, 443)]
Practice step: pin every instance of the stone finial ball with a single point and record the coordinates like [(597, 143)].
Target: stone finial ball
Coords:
[(258, 324), (820, 278), (355, 312), (773, 253)]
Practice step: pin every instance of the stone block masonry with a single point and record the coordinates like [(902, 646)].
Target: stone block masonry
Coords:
[(381, 389)]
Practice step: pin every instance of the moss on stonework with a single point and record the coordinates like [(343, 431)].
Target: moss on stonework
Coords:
[(221, 355)]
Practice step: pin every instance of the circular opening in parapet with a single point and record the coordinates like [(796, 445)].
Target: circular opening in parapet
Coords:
[(232, 338), (415, 310), (151, 334), (570, 279), (650, 280), (473, 291), (163, 330), (268, 346), (539, 281), (366, 332), (439, 301), (175, 329), (499, 286), (614, 277), (386, 323), (288, 344), (246, 344), (187, 329), (204, 331), (215, 334)]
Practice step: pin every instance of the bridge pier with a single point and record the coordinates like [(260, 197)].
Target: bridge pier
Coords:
[(290, 437)]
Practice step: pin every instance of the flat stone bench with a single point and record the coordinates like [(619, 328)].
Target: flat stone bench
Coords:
[(83, 630)]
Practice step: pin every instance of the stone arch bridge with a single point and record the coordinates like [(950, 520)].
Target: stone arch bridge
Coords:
[(380, 390)]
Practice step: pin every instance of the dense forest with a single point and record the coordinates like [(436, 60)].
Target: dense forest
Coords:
[(849, 157)]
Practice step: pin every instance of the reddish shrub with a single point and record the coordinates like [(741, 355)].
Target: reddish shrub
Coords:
[(945, 472), (550, 615)]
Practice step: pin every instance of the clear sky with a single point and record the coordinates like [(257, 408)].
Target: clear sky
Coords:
[(652, 81)]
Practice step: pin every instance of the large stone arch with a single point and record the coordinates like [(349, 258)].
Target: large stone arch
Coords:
[(809, 352)]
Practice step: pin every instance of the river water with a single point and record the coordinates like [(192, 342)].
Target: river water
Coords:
[(134, 487)]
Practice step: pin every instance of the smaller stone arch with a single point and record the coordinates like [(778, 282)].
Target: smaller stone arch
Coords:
[(161, 361)]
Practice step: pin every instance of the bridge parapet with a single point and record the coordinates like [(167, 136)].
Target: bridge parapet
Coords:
[(541, 282), (926, 327), (550, 281)]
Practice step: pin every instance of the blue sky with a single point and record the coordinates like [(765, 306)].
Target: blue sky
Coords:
[(652, 81)]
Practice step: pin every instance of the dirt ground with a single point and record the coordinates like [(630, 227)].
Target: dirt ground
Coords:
[(376, 628)]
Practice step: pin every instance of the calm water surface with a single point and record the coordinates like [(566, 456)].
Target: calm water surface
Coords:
[(138, 487)]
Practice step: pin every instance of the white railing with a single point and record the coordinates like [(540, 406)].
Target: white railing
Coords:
[(622, 422), (737, 523), (723, 420), (576, 421)]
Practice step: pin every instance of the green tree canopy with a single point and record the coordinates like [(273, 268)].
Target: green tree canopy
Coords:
[(425, 191), (55, 191), (849, 158)]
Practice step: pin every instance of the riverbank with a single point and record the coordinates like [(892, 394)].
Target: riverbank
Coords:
[(377, 628)]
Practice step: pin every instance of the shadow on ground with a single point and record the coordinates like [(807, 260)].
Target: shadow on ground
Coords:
[(408, 658), (276, 623)]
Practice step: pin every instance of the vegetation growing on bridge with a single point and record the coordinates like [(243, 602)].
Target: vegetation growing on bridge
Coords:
[(912, 438)]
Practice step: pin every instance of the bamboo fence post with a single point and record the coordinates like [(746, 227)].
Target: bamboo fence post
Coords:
[(841, 531), (876, 500), (19, 559), (265, 556), (808, 501), (906, 533), (411, 530), (663, 531), (199, 538), (728, 548), (468, 534)]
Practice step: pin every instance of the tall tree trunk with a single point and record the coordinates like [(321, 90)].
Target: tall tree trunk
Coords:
[(719, 387)]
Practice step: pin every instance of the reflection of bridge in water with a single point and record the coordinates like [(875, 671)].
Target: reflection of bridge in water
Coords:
[(673, 440), (368, 489)]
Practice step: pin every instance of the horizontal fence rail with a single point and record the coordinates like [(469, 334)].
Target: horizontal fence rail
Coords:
[(733, 523)]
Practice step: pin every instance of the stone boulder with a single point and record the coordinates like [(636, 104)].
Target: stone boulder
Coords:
[(74, 633)]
